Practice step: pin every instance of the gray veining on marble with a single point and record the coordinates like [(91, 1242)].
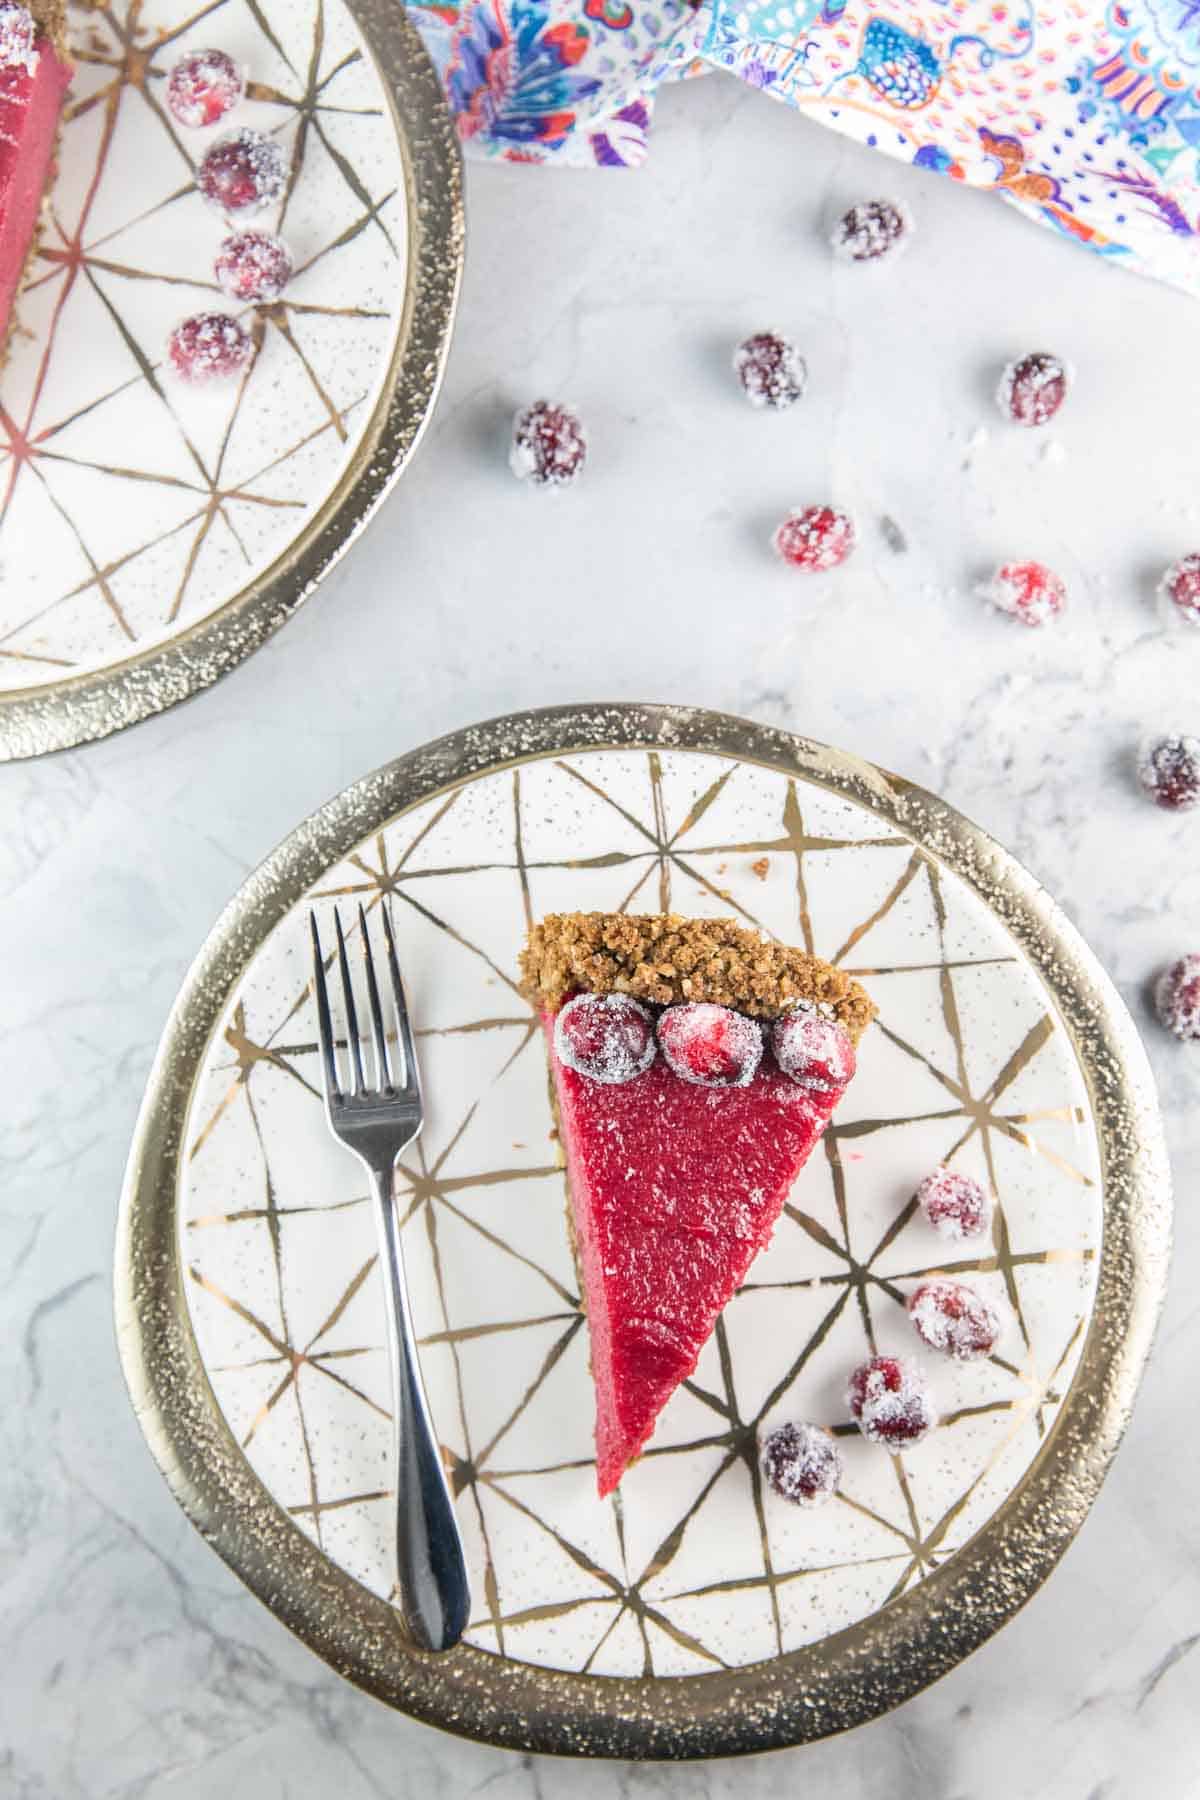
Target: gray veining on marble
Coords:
[(136, 1668)]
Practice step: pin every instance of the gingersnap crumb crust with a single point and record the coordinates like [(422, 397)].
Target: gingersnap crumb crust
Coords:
[(663, 959), (50, 17)]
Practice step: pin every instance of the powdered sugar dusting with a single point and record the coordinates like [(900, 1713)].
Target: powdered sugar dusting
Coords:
[(203, 86), (813, 1049), (1033, 388), (815, 537), (18, 35), (871, 230), (606, 1037), (954, 1319), (956, 1205), (771, 370), (1181, 586), (891, 1403), (549, 445), (801, 1463), (710, 1046), (253, 265), (243, 172), (1169, 771), (209, 347), (1027, 591), (1177, 998)]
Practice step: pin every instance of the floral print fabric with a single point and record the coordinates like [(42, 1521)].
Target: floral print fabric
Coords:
[(1085, 116)]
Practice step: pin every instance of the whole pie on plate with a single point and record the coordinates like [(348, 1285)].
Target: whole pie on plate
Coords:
[(694, 1065), (34, 75)]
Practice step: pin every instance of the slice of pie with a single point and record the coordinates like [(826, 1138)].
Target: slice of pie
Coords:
[(34, 74), (694, 1066)]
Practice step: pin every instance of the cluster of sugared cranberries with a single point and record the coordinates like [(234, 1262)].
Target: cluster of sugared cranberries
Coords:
[(952, 1318), (1169, 771), (203, 86), (209, 347), (18, 37), (549, 446), (1033, 388), (1027, 591), (815, 538), (253, 266), (1177, 998), (956, 1205), (801, 1463), (771, 370), (613, 1038), (243, 172), (871, 230), (890, 1403)]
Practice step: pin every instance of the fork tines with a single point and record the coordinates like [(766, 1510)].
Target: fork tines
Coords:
[(395, 1065)]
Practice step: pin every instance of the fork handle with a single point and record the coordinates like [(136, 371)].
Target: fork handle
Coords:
[(435, 1599)]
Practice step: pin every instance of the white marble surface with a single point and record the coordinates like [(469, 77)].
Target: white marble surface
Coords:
[(136, 1667)]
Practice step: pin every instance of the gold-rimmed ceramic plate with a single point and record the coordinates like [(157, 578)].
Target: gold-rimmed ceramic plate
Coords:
[(152, 535), (697, 1614)]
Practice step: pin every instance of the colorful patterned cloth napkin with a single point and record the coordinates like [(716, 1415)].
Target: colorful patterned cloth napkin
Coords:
[(1084, 115)]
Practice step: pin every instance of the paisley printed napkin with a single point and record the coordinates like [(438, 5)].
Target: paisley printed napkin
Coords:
[(1085, 116)]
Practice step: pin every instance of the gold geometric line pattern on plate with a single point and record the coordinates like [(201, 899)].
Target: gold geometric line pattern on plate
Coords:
[(132, 507), (692, 1565)]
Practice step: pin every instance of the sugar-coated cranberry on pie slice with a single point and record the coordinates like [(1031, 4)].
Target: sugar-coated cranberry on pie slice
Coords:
[(694, 1066), (34, 74)]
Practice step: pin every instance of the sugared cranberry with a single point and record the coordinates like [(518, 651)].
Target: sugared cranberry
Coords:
[(607, 1037), (710, 1045), (953, 1318), (1032, 389), (870, 230), (956, 1205), (889, 1400), (253, 265), (771, 370), (802, 1463), (1177, 998), (549, 447), (243, 172), (209, 347), (1028, 591), (1181, 586), (817, 537), (1169, 771), (18, 37), (813, 1050), (203, 86)]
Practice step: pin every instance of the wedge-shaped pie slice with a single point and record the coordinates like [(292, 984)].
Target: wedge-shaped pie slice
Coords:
[(34, 74), (694, 1066)]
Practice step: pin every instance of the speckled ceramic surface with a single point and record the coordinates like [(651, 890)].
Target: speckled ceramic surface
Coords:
[(136, 510), (693, 1569), (696, 1567)]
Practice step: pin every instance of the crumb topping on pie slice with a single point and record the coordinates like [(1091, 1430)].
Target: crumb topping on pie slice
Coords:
[(663, 959)]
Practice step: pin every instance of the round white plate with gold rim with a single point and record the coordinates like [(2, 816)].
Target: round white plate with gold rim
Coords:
[(695, 1613), (152, 535)]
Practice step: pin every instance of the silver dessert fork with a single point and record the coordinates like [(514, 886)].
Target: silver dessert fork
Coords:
[(377, 1123)]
